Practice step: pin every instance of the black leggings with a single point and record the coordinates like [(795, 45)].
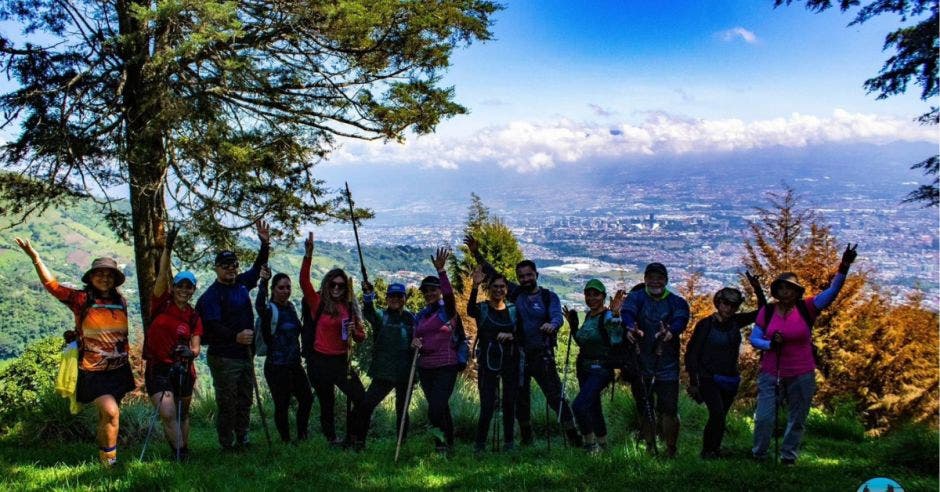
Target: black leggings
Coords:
[(326, 373), (487, 382), (285, 382), (718, 401), (378, 390), (437, 383)]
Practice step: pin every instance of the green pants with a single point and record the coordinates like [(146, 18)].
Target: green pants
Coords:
[(231, 379)]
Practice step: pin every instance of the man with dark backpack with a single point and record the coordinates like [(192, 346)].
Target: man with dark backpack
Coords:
[(540, 311), (228, 322), (783, 332)]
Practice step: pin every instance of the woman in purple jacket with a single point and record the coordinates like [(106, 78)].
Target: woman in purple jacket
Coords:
[(437, 352)]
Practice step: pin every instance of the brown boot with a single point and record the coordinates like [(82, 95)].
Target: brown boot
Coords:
[(670, 434)]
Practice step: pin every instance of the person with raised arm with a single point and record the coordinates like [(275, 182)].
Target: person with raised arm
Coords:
[(783, 332), (540, 310), (326, 340), (711, 360), (499, 340), (280, 330), (228, 330), (171, 343), (104, 373), (435, 339)]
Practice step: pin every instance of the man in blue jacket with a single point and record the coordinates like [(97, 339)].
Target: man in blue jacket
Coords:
[(654, 318), (228, 323)]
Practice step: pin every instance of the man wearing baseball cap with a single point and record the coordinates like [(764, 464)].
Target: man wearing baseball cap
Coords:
[(654, 318), (228, 321)]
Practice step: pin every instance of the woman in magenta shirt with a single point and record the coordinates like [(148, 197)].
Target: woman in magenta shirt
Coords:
[(783, 332)]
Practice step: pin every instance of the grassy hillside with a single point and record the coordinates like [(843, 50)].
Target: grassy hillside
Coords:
[(834, 458)]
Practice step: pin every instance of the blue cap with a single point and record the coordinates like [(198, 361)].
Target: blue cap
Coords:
[(395, 289), (184, 276)]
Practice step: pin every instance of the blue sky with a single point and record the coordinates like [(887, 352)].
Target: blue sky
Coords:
[(568, 82)]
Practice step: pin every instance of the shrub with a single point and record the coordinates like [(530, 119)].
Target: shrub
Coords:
[(913, 446), (842, 422)]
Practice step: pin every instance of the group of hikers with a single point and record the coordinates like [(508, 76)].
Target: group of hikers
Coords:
[(636, 333)]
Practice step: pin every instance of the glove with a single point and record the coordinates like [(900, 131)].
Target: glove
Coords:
[(848, 257), (183, 352), (776, 342)]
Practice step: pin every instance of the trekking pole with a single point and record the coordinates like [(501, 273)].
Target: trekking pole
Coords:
[(776, 410), (254, 379), (352, 217), (153, 420), (497, 415), (404, 417), (564, 386), (548, 367), (179, 413)]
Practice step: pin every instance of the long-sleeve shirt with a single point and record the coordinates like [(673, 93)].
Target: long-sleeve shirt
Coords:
[(642, 311), (534, 313), (796, 353), (715, 345), (328, 335), (391, 335), (434, 327), (226, 310)]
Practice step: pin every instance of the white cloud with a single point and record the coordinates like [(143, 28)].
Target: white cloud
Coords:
[(528, 146), (738, 32)]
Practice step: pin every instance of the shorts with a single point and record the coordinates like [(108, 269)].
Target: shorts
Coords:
[(164, 377), (93, 384)]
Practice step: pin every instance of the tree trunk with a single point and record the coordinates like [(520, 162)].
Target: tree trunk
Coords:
[(145, 153)]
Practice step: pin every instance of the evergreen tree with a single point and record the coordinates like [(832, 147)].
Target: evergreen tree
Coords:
[(914, 60), (212, 114)]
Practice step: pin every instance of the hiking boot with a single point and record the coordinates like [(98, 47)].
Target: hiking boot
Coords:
[(509, 447), (525, 434), (709, 454), (479, 447), (336, 443), (442, 449), (788, 461)]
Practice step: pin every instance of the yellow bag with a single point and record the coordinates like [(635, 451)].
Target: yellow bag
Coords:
[(67, 378)]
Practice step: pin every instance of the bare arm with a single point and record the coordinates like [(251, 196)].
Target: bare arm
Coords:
[(44, 275)]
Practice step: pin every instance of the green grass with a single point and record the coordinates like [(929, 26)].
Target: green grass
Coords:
[(826, 463)]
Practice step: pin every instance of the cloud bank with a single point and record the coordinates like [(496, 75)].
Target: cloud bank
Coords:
[(527, 146)]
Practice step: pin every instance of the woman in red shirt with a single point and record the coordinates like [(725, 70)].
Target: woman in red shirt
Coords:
[(170, 345), (326, 342), (104, 374)]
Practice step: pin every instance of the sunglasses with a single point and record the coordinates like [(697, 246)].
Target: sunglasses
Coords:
[(229, 266), (338, 285)]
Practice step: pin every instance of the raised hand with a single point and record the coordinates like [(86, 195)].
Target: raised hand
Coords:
[(472, 244), (571, 316), (752, 280), (440, 259), (265, 273), (308, 244), (27, 248), (367, 287), (170, 240), (617, 301), (264, 232), (849, 255), (477, 276)]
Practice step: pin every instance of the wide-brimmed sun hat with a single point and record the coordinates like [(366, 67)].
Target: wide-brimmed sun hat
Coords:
[(786, 278), (105, 263)]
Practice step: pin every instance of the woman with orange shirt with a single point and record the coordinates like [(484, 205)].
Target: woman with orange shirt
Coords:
[(104, 373)]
